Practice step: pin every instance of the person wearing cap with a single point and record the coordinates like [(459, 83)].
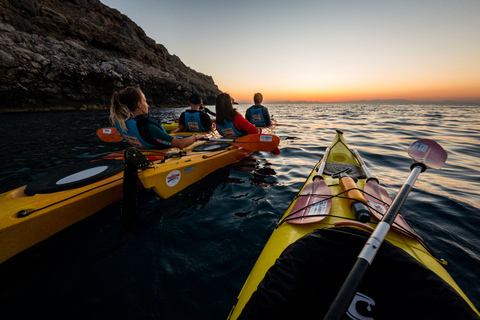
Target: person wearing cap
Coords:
[(193, 119), (258, 114)]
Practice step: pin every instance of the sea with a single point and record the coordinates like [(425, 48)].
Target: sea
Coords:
[(187, 257)]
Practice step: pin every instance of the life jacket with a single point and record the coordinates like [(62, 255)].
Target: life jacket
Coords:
[(229, 130), (256, 116), (193, 122), (133, 135)]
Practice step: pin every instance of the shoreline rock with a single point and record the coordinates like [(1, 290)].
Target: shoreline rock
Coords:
[(73, 54)]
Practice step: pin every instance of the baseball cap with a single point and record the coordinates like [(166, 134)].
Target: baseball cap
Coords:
[(195, 99)]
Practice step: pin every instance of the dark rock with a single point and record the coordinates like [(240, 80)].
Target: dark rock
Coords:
[(73, 54)]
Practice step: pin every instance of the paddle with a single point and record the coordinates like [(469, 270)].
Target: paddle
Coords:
[(257, 142), (427, 154), (379, 200), (109, 134), (313, 203)]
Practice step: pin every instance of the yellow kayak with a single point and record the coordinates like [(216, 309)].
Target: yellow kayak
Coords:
[(34, 212), (317, 240), (179, 170)]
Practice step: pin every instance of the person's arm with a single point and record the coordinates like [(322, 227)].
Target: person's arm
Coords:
[(181, 128), (181, 124), (247, 114), (168, 140), (206, 121), (185, 142), (245, 125), (211, 112), (266, 116)]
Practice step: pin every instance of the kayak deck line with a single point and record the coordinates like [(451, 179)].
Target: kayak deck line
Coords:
[(339, 195)]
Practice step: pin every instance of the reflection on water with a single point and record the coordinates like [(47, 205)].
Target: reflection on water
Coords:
[(188, 256)]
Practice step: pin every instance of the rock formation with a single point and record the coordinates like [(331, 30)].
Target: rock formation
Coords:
[(73, 54)]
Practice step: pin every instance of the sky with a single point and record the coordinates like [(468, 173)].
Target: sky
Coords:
[(319, 50)]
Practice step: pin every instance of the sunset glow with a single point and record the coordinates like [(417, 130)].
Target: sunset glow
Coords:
[(326, 51)]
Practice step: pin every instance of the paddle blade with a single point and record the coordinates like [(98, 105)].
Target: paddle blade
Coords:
[(275, 151), (428, 152), (313, 204), (109, 134), (259, 142), (379, 200)]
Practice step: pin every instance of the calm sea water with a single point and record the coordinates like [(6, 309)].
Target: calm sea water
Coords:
[(188, 256)]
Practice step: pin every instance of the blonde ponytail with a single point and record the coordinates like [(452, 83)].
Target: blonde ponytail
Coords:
[(123, 104)]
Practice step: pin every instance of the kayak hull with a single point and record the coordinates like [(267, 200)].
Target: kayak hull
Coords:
[(26, 220), (168, 177), (340, 214)]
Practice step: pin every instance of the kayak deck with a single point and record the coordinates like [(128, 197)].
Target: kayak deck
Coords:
[(337, 157), (173, 174), (25, 220)]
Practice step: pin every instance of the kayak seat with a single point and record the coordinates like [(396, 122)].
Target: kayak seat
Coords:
[(334, 167), (211, 147), (74, 176)]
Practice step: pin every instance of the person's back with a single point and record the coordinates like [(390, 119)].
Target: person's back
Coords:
[(258, 114), (229, 122), (193, 119)]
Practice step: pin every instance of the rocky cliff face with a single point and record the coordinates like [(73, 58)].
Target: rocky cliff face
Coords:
[(73, 54)]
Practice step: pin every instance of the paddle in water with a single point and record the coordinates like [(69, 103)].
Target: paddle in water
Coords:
[(427, 154)]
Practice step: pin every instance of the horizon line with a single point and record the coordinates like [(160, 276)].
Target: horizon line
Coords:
[(367, 101)]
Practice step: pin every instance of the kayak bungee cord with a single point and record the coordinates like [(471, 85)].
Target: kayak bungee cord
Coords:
[(426, 154), (395, 225), (23, 213)]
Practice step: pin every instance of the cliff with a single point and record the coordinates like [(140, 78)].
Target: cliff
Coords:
[(73, 54)]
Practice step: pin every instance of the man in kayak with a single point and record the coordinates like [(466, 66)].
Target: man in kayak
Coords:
[(194, 120), (129, 112), (258, 114), (229, 122)]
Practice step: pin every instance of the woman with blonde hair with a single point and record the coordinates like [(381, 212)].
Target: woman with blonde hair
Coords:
[(129, 112), (229, 122)]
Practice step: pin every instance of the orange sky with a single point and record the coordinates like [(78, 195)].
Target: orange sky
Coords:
[(322, 50)]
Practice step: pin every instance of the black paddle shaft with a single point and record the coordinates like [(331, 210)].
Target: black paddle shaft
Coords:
[(366, 256)]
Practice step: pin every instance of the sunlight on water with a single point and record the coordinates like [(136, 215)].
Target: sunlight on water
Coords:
[(189, 255)]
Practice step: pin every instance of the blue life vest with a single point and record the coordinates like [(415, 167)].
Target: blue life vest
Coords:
[(193, 122), (133, 135), (229, 130), (256, 117)]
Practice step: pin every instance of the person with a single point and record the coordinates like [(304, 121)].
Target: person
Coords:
[(206, 110), (258, 114), (193, 119), (129, 112), (229, 122)]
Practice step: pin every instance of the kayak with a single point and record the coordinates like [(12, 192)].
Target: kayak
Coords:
[(317, 241), (34, 212), (168, 177), (169, 126), (38, 210)]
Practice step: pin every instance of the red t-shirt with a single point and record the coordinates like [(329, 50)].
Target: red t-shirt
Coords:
[(243, 124)]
